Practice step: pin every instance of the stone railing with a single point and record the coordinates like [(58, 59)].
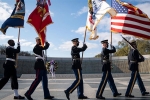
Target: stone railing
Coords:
[(89, 65)]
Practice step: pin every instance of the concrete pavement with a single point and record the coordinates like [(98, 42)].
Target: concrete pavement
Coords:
[(58, 85)]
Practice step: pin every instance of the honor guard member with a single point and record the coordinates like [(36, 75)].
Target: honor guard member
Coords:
[(41, 72), (133, 58), (106, 69), (10, 70), (76, 66)]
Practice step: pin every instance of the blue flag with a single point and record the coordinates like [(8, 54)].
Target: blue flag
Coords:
[(17, 17)]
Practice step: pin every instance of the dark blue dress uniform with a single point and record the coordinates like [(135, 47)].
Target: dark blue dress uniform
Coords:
[(133, 59), (41, 72), (76, 67), (107, 76), (9, 68)]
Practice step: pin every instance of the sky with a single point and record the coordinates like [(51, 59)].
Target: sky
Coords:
[(69, 17)]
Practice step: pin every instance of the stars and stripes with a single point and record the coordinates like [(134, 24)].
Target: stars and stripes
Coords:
[(130, 20)]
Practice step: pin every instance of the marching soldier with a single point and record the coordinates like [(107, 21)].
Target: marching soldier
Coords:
[(41, 72), (106, 69), (76, 66), (10, 70), (133, 58)]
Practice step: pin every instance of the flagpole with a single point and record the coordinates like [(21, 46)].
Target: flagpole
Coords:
[(19, 35), (17, 53), (46, 56), (111, 39), (44, 1), (84, 42), (45, 50), (111, 48)]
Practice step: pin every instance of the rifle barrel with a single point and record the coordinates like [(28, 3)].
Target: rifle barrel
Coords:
[(131, 45)]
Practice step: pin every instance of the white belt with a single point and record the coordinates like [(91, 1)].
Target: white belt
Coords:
[(10, 59), (77, 59), (133, 61), (39, 58), (106, 61)]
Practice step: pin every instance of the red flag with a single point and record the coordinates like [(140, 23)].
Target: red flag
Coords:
[(42, 36), (35, 18), (39, 19), (46, 20)]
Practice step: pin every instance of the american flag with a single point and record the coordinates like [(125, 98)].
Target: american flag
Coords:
[(130, 20)]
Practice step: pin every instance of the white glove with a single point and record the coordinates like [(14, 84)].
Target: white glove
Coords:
[(18, 43)]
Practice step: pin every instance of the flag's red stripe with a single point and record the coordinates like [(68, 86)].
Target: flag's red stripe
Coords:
[(131, 25), (133, 13), (131, 19), (130, 33)]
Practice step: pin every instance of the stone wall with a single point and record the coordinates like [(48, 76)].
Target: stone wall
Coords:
[(90, 65)]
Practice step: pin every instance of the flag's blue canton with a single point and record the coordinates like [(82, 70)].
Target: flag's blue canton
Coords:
[(118, 7)]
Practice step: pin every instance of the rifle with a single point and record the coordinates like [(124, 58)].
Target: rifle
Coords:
[(133, 47)]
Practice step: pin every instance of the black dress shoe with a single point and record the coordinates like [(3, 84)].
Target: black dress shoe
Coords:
[(28, 97), (100, 97), (19, 97), (67, 95), (130, 96), (145, 93), (50, 97), (82, 97), (118, 94)]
